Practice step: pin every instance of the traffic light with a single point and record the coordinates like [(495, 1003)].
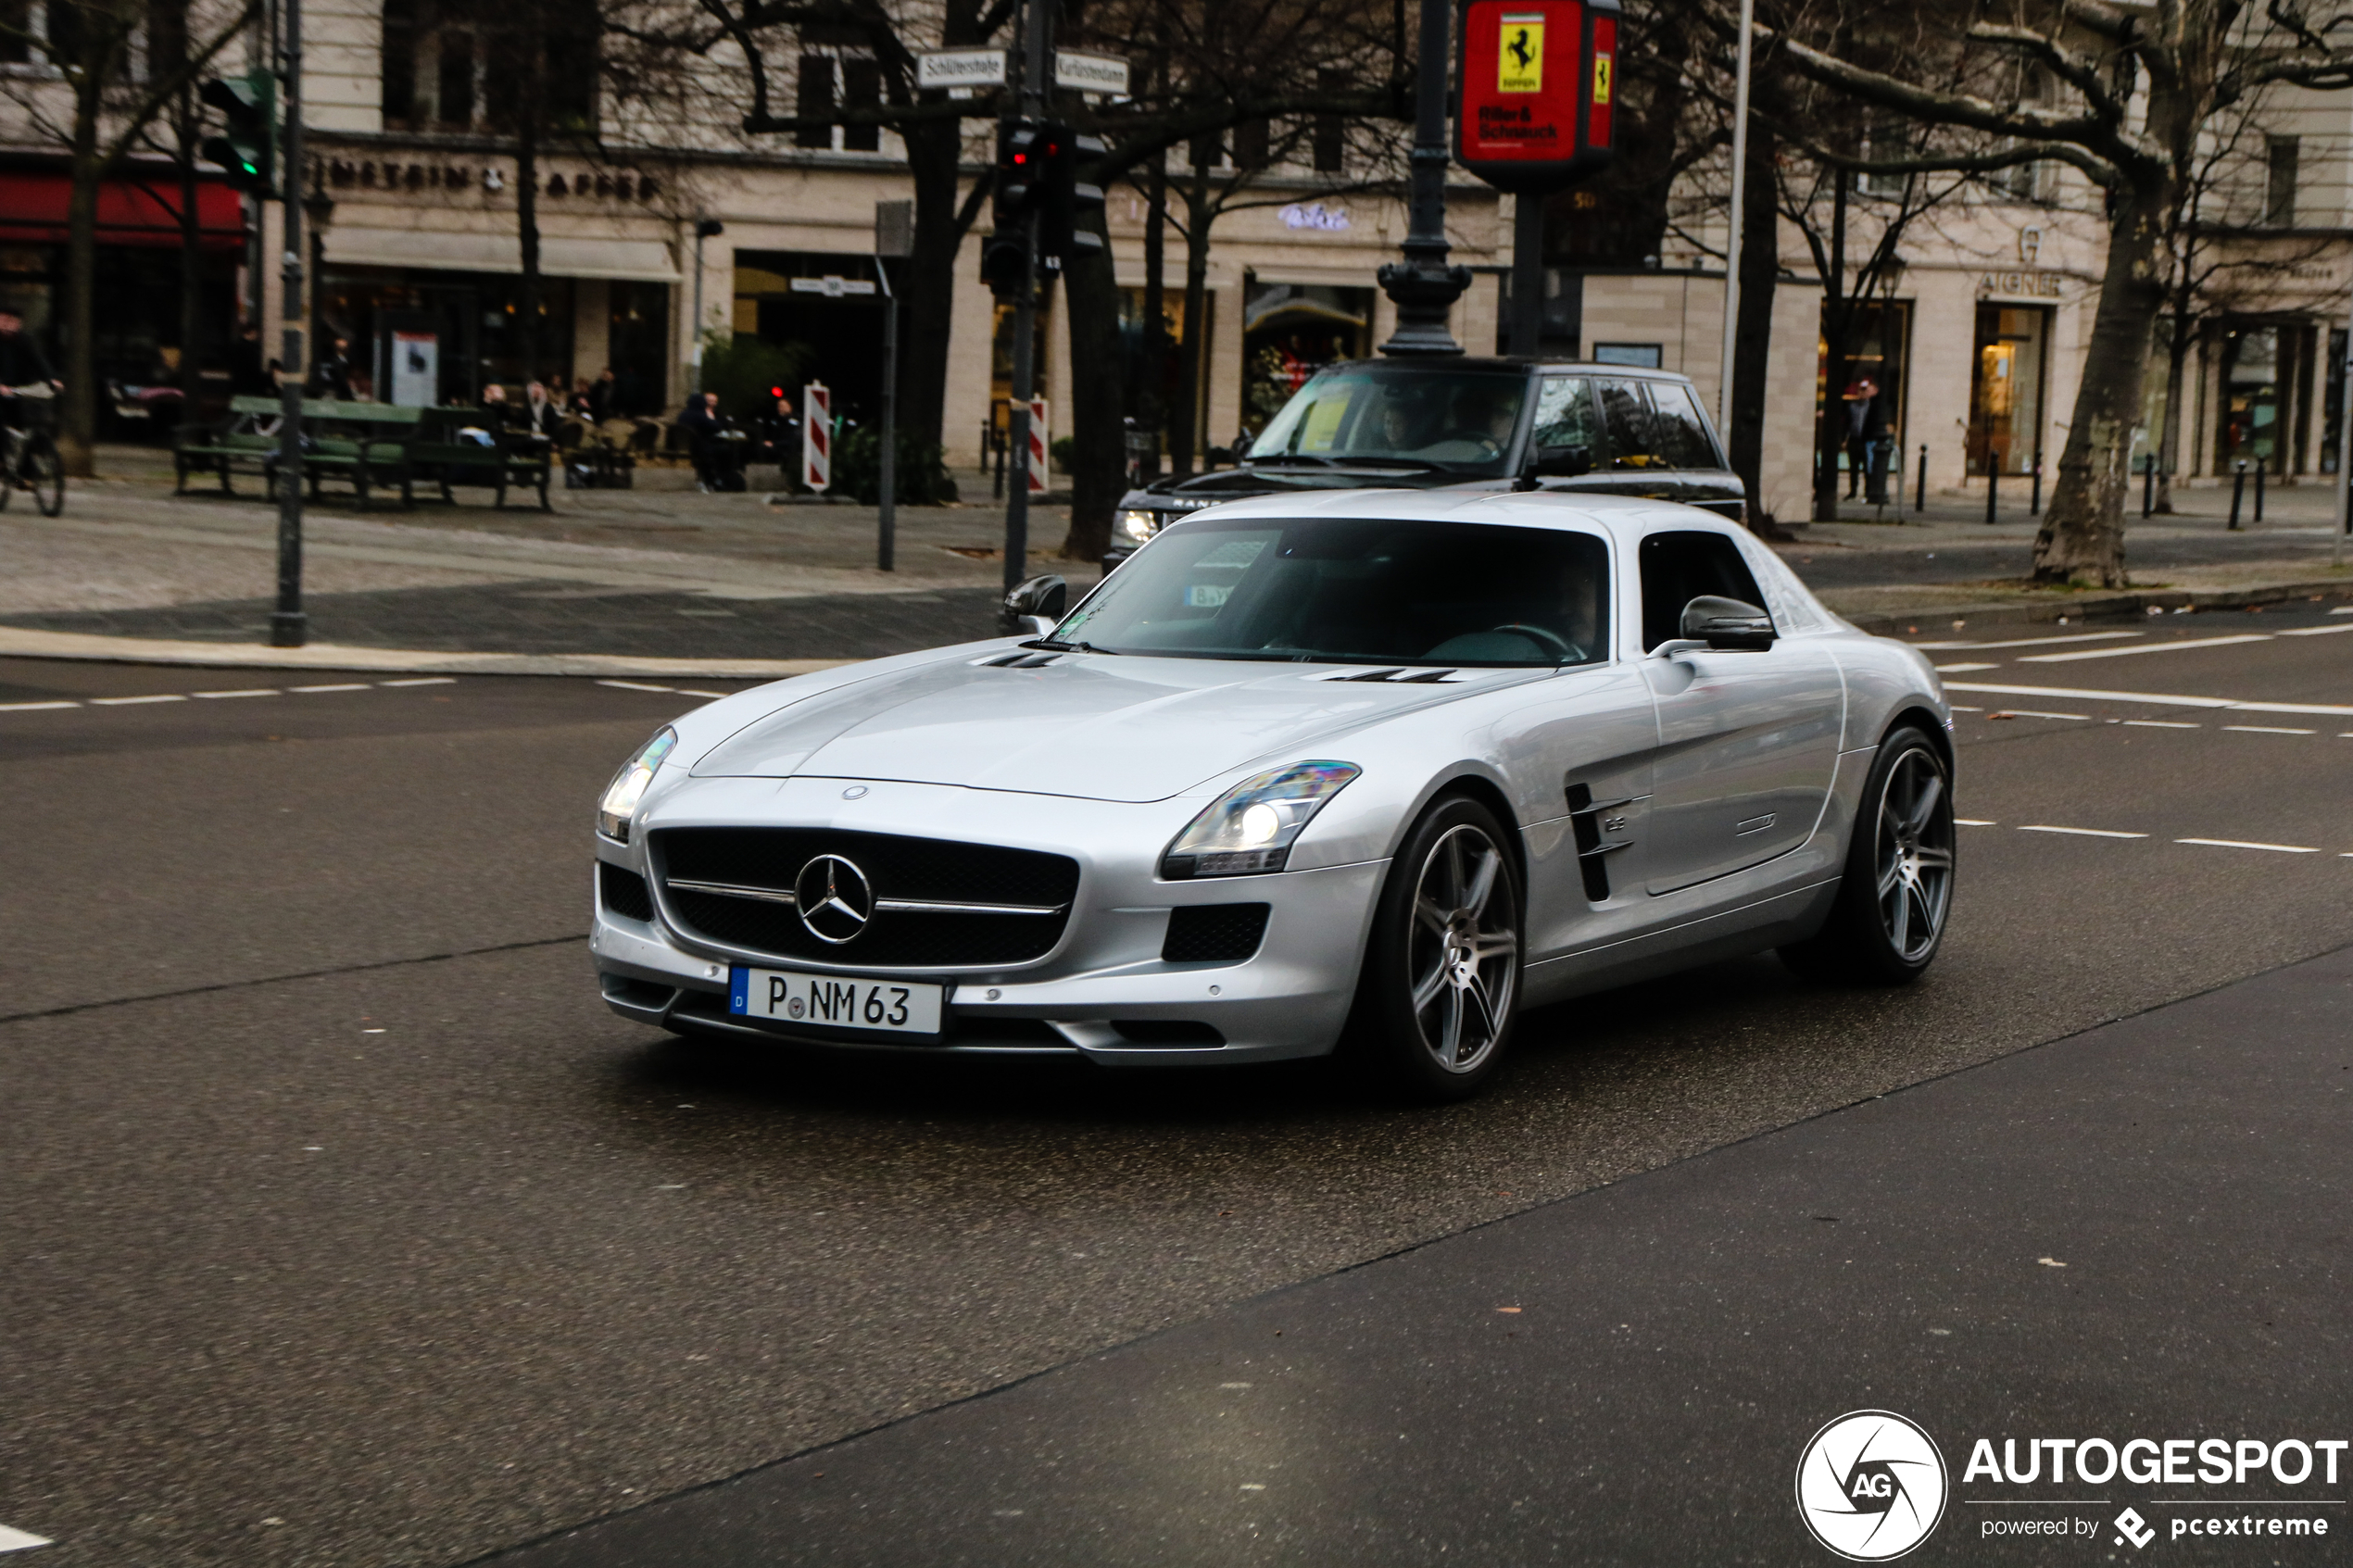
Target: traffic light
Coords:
[(1003, 259), (1067, 227), (248, 150), (1020, 163)]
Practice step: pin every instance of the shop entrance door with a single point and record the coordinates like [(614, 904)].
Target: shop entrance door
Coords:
[(2006, 392)]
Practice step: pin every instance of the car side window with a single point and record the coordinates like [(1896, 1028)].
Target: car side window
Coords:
[(1682, 435), (1627, 414), (1678, 568), (1565, 415)]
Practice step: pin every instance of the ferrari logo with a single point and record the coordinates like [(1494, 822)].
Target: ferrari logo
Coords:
[(1601, 80), (1519, 65)]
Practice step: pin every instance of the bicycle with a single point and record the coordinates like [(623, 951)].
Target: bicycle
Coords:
[(28, 458)]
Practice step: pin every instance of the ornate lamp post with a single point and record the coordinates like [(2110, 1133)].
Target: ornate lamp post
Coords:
[(1423, 286)]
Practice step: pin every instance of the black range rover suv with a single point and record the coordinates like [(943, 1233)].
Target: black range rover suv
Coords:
[(1465, 424)]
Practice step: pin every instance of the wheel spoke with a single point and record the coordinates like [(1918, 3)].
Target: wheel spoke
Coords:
[(1928, 919), (1425, 988), (1449, 1038), (1900, 932), (1934, 859), (1454, 869), (1429, 914), (1494, 945), (1891, 876), (1476, 992), (1482, 884), (1925, 807)]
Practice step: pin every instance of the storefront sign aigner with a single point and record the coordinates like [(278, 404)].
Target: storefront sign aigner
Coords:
[(2038, 285)]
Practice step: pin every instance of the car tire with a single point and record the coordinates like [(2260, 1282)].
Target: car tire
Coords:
[(1440, 988), (1897, 895)]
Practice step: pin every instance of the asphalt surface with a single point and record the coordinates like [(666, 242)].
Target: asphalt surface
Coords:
[(346, 1225)]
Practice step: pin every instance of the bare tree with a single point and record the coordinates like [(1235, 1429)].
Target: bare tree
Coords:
[(114, 87), (2135, 88)]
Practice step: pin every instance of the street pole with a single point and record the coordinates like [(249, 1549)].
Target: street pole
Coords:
[(2344, 450), (1527, 274), (1030, 100), (289, 627), (1423, 286), (887, 541), (1738, 215)]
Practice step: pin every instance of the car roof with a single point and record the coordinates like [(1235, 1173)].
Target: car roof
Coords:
[(1625, 517), (1516, 362)]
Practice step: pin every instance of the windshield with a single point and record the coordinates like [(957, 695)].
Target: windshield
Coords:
[(1354, 591), (1461, 421)]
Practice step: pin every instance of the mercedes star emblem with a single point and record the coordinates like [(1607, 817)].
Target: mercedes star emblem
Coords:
[(833, 897)]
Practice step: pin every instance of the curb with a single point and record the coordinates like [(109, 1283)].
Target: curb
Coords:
[(18, 642), (2096, 607)]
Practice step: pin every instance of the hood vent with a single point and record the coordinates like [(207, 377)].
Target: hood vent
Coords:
[(1021, 658), (1398, 677)]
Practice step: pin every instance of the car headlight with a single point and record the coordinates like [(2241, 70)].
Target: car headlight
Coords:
[(628, 786), (1139, 525), (1251, 827)]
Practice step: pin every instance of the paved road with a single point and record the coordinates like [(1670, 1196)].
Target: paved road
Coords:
[(343, 1226)]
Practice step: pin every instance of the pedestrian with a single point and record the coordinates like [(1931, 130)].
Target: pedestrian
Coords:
[(702, 424), (331, 374), (1857, 399), (538, 413), (602, 396), (22, 364), (248, 372), (1877, 444)]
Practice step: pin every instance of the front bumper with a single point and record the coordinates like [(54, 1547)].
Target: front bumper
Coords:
[(1103, 992)]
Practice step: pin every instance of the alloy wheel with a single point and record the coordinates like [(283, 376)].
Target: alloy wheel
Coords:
[(1914, 854), (1462, 951)]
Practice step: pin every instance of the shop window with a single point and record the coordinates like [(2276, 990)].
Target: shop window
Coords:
[(2281, 155), (1880, 334), (2006, 393), (1289, 332), (2252, 384)]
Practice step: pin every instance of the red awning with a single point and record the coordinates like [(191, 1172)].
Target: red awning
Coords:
[(132, 211)]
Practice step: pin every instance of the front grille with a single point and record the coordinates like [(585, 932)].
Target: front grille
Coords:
[(937, 871), (1213, 933), (624, 892)]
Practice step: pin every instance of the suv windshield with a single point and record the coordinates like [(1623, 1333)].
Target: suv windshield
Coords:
[(1460, 421), (1354, 591)]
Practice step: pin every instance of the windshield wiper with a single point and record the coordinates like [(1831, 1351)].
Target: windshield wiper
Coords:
[(1049, 645), (1286, 459)]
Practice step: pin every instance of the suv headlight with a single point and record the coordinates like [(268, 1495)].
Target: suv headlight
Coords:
[(1251, 827), (1137, 524), (628, 786)]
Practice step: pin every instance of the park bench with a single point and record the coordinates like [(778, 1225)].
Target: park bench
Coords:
[(364, 444), (510, 460)]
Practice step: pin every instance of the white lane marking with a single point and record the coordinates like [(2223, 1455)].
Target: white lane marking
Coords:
[(2160, 724), (2040, 642), (2341, 610), (250, 691), (344, 686), (2146, 647), (1963, 707), (2244, 843), (247, 691), (2317, 630), (127, 701), (2029, 713), (17, 1540), (33, 707), (2154, 699), (2268, 730), (1975, 823), (2085, 832), (1963, 668), (690, 691), (635, 686), (423, 680)]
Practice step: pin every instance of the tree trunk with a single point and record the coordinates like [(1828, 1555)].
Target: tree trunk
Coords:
[(1150, 399), (1097, 403), (1184, 434), (527, 229), (1830, 435), (2081, 540), (932, 152), (79, 429), (1753, 333)]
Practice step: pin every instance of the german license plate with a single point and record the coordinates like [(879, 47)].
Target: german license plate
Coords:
[(784, 996)]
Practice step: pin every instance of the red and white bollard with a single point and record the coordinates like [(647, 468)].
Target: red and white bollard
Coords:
[(1037, 445), (816, 436)]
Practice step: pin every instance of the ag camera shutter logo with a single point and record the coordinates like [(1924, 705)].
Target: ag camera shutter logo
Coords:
[(1871, 1486)]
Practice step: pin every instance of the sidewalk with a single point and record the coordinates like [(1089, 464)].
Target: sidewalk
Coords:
[(661, 573)]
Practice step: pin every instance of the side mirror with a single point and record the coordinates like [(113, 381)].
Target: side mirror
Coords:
[(1560, 462), (1036, 606), (1727, 625)]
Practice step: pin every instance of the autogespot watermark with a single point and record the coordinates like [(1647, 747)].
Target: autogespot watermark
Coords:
[(1872, 1485)]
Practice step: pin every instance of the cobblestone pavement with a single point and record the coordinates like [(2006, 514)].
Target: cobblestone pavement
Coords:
[(532, 617)]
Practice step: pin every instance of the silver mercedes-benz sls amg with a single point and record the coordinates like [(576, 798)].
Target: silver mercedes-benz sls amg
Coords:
[(1371, 771)]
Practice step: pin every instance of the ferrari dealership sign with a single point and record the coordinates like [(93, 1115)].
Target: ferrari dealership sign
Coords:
[(1539, 90)]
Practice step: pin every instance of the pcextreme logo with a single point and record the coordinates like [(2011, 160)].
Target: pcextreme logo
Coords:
[(1871, 1486)]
